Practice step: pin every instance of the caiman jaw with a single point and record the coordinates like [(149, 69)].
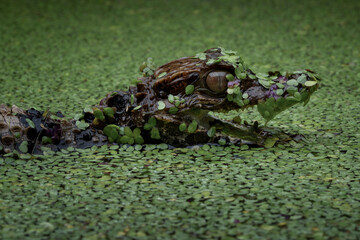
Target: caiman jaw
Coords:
[(218, 80), (179, 95), (272, 93)]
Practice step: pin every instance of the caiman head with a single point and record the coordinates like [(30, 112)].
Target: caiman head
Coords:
[(175, 98)]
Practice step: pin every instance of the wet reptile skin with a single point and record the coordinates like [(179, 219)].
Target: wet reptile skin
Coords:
[(152, 100)]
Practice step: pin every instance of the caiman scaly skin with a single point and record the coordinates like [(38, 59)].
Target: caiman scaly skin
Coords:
[(169, 105)]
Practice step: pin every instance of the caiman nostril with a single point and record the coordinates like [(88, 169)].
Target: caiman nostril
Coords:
[(31, 133)]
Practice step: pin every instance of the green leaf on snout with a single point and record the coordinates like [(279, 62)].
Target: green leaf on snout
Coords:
[(147, 126), (222, 141), (177, 103), (280, 85), (173, 110), (271, 107), (137, 132), (31, 123), (109, 112), (201, 56), (137, 107), (239, 69), (78, 116), (237, 119), (99, 114), (161, 75), (125, 139), (192, 127), (237, 91), (88, 109), (297, 96), (24, 147), (310, 83), (211, 132), (171, 98), (265, 83), (279, 91), (291, 90), (230, 90), (270, 142), (240, 76), (155, 134), (161, 105), (292, 82), (262, 75), (189, 89), (230, 77), (150, 124), (45, 140), (112, 132), (128, 132), (139, 140), (302, 79), (17, 135), (182, 127), (82, 125), (137, 136), (251, 76)]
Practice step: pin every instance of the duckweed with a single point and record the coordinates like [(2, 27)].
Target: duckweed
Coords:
[(68, 54)]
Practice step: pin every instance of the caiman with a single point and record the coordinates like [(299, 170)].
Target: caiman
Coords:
[(170, 104)]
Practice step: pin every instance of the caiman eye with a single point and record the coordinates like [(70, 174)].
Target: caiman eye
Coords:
[(216, 81)]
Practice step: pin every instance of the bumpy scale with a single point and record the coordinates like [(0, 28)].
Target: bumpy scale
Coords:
[(171, 105)]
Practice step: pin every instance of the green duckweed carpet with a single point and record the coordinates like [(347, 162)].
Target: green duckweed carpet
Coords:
[(66, 55)]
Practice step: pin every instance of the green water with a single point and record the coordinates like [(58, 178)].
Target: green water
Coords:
[(66, 55)]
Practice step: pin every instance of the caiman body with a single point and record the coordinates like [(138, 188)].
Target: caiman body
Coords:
[(170, 104)]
